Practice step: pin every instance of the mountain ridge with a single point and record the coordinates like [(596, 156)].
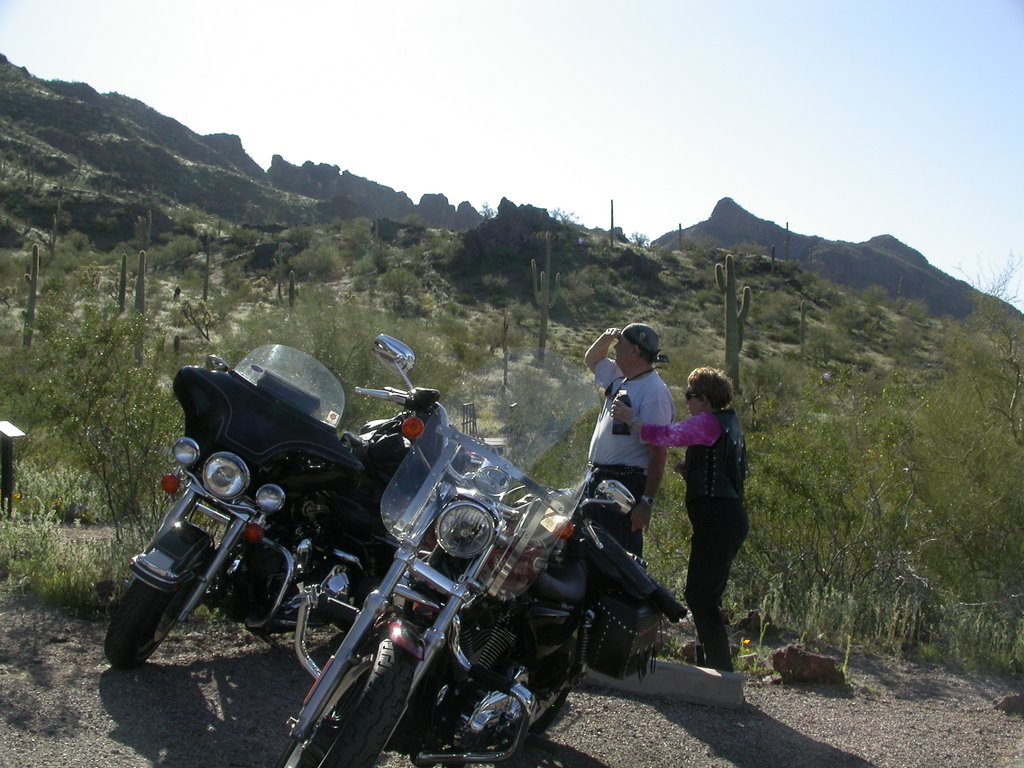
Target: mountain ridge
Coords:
[(883, 261), (119, 147)]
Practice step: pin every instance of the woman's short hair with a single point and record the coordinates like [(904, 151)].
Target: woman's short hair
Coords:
[(713, 383)]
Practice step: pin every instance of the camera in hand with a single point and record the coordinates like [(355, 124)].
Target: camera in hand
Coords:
[(621, 427)]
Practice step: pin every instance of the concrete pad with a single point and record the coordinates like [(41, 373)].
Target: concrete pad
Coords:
[(684, 682)]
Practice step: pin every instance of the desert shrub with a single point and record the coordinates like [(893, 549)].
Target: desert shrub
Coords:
[(110, 415), (41, 555), (317, 262)]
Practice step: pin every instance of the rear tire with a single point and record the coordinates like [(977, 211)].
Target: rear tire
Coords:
[(141, 620), (357, 731)]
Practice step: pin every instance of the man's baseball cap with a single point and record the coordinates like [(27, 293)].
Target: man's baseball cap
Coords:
[(643, 336)]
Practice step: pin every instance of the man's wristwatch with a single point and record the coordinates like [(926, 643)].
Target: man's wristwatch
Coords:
[(648, 500)]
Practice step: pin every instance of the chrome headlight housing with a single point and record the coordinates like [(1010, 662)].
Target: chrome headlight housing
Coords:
[(225, 475), (186, 451), (270, 498), (465, 529), (492, 481)]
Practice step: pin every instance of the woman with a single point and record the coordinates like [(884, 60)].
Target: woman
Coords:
[(715, 468)]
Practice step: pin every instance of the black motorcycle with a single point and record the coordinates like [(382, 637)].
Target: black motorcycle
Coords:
[(268, 498), (500, 596)]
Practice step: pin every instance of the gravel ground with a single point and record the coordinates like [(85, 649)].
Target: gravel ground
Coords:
[(220, 697)]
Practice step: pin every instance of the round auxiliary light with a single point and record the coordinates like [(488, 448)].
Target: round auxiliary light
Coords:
[(225, 475), (186, 451), (270, 498), (465, 529)]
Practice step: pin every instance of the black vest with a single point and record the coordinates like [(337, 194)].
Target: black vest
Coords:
[(718, 470)]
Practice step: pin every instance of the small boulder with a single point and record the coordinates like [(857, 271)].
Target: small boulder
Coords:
[(796, 664), (1013, 704)]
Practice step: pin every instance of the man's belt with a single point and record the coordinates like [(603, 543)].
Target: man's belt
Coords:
[(620, 470)]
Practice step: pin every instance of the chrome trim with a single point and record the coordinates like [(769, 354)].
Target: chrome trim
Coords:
[(525, 698), (455, 645), (336, 675), (164, 578), (179, 508), (309, 596), (404, 590)]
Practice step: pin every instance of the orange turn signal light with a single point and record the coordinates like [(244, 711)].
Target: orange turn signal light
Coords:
[(413, 427), (567, 532), (252, 533)]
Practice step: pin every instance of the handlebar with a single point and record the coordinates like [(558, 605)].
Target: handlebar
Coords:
[(388, 393), (418, 399)]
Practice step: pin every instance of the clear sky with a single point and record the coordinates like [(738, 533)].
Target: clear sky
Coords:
[(843, 119)]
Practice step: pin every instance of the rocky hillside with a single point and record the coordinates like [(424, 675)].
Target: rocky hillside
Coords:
[(103, 161), (119, 148)]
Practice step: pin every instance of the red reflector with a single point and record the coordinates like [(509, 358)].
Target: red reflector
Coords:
[(170, 483), (253, 533), (413, 427)]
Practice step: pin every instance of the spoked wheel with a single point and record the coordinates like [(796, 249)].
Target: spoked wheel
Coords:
[(140, 622), (355, 733)]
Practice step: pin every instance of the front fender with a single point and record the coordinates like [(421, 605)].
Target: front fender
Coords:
[(406, 638), (175, 558)]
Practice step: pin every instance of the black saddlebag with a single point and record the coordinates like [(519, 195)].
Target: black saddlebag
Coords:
[(625, 636)]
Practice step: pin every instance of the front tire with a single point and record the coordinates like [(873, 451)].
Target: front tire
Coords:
[(140, 622), (357, 731)]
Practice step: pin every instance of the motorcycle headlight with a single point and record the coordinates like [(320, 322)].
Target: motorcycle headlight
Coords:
[(465, 529), (225, 475), (270, 498), (186, 451)]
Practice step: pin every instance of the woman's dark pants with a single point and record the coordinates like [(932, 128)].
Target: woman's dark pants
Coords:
[(719, 528)]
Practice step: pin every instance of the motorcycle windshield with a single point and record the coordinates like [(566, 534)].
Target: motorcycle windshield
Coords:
[(294, 378), (445, 464)]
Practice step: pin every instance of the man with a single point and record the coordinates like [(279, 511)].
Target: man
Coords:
[(618, 454)]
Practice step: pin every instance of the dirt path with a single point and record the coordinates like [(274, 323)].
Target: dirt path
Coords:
[(220, 697)]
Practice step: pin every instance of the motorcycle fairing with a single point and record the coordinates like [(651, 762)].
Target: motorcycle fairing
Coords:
[(224, 411)]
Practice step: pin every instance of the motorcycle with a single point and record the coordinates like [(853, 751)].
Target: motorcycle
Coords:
[(500, 596), (267, 497)]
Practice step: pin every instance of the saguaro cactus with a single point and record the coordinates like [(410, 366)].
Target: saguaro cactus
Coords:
[(140, 285), (122, 289), (803, 325), (33, 291), (279, 273), (291, 289), (206, 274), (735, 316), (144, 229), (542, 292), (140, 300), (53, 236)]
